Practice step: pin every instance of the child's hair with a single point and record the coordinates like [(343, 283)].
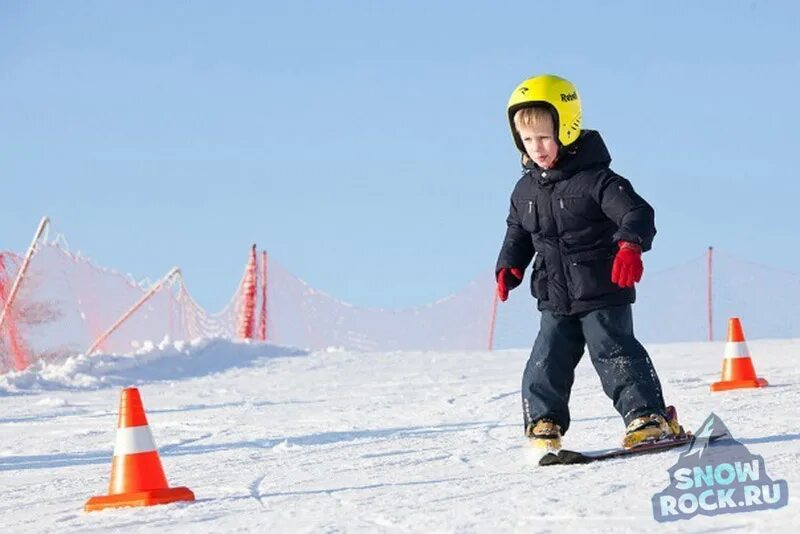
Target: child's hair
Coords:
[(531, 116)]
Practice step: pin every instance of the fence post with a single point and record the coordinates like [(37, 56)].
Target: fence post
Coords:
[(158, 285), (492, 322), (15, 346), (247, 320), (262, 324), (23, 269), (709, 301)]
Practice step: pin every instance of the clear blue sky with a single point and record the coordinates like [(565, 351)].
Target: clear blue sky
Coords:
[(365, 144)]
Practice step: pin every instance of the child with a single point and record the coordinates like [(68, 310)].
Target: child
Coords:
[(585, 229)]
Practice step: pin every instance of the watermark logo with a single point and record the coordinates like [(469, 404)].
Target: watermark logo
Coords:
[(717, 475)]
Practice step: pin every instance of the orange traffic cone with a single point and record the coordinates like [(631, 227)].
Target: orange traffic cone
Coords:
[(137, 478), (737, 367)]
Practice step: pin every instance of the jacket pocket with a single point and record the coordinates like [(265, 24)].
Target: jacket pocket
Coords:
[(526, 209), (576, 212), (539, 279), (589, 274)]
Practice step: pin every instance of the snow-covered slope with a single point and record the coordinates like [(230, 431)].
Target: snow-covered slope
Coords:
[(279, 440)]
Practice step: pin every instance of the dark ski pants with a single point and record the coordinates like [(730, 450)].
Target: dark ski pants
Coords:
[(626, 372)]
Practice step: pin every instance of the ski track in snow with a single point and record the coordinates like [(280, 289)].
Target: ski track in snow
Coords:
[(281, 440)]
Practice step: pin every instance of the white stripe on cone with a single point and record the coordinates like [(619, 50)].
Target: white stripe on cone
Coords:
[(736, 349), (133, 440)]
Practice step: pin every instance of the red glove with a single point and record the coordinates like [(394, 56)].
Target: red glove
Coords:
[(507, 279), (628, 266)]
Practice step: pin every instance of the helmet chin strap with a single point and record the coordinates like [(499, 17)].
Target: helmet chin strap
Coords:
[(566, 151)]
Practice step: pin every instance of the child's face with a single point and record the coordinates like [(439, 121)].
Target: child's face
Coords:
[(540, 142)]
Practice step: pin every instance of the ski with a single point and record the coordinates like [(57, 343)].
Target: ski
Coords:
[(568, 457)]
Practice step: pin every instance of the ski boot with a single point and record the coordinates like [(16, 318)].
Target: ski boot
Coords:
[(544, 435), (652, 428)]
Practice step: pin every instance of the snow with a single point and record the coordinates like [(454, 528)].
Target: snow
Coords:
[(282, 440)]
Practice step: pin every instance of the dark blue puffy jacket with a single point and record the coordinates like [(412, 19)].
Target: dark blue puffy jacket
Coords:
[(568, 220)]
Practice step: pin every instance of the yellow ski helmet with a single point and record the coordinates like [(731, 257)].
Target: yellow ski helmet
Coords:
[(555, 93)]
